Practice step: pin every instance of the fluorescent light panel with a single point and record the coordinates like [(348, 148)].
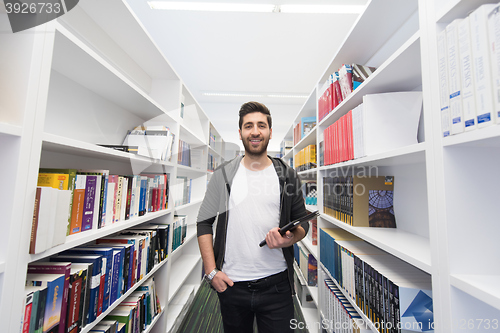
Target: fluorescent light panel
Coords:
[(259, 8), (269, 95), (212, 6)]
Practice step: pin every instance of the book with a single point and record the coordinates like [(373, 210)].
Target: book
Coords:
[(360, 74), (56, 268), (454, 79), (91, 187), (444, 100), (494, 46), (78, 204), (482, 68), (43, 222), (71, 187), (76, 298), (466, 75), (55, 180), (53, 304), (307, 124), (124, 148)]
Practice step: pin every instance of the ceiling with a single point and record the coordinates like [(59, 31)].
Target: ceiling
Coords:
[(251, 53)]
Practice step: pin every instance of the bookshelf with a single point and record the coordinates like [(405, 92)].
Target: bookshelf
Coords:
[(73, 83), (438, 223)]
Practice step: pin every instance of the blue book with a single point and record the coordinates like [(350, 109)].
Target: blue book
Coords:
[(307, 124), (107, 253), (96, 261), (88, 202)]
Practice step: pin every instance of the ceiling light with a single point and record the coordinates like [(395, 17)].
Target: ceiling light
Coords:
[(286, 96), (211, 6), (250, 94), (229, 94), (322, 9)]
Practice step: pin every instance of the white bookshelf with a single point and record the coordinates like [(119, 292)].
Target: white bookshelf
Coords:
[(446, 198), (73, 83)]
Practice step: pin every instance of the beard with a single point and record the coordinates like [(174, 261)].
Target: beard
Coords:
[(261, 149)]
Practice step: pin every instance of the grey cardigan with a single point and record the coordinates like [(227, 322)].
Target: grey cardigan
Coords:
[(215, 206)]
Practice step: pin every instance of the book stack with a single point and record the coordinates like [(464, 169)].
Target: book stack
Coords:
[(212, 163), (76, 286), (179, 229), (285, 147), (340, 85), (307, 124), (383, 122), (312, 235), (389, 291), (469, 77), (184, 153), (151, 141), (307, 264), (212, 138), (339, 315), (91, 199), (360, 201), (296, 133), (310, 193), (137, 311), (181, 190), (305, 159)]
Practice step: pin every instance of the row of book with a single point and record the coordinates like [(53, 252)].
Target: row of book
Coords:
[(383, 122), (212, 138), (339, 85), (302, 128), (360, 201), (181, 190), (179, 229), (70, 201), (469, 77), (307, 263), (154, 141), (310, 193), (338, 313), (285, 147), (393, 294), (212, 162), (83, 282), (184, 153), (305, 159)]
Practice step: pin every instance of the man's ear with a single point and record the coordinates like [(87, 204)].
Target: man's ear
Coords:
[(239, 133), (270, 133)]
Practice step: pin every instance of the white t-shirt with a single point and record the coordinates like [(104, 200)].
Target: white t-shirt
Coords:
[(254, 209)]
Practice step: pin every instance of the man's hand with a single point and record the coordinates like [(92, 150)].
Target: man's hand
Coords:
[(221, 281), (274, 239)]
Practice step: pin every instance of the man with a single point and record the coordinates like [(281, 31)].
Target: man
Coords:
[(250, 198)]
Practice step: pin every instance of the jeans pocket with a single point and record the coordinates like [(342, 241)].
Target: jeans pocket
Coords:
[(282, 287)]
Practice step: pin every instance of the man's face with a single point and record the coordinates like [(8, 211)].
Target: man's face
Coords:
[(255, 133)]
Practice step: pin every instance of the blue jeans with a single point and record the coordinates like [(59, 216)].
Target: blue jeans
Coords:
[(268, 300)]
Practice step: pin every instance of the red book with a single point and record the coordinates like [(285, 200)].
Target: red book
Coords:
[(55, 268), (350, 135)]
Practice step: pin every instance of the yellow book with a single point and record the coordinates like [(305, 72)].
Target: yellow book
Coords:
[(55, 180)]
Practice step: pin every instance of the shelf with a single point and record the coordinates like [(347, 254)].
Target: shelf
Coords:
[(190, 234), (188, 205), (183, 267), (394, 75), (379, 32), (311, 319), (59, 144), (97, 75), (130, 35), (413, 154), (90, 235), (123, 297), (175, 309), (8, 129), (411, 248), (482, 287), (481, 137), (311, 208), (192, 138)]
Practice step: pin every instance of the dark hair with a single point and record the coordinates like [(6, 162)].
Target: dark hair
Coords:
[(250, 107)]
